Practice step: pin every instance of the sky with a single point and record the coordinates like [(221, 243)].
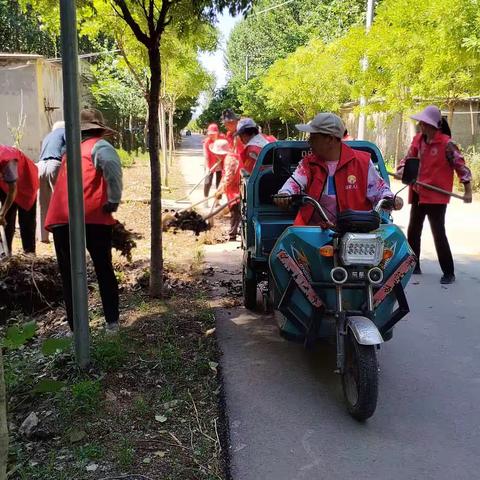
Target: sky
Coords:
[(214, 62)]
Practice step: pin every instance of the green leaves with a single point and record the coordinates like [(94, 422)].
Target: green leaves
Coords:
[(52, 346), (48, 385), (18, 335)]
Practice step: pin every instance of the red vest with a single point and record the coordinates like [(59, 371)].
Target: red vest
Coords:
[(351, 181), (235, 144), (253, 149), (27, 182), (434, 168), (94, 192)]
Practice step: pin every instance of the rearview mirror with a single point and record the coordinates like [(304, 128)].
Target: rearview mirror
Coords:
[(410, 170)]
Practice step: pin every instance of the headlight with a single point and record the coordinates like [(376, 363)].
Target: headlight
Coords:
[(361, 249)]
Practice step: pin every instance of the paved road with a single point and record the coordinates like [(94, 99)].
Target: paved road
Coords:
[(287, 421)]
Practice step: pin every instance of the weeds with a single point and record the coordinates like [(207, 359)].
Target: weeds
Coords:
[(141, 407), (108, 352), (90, 451), (82, 397), (170, 357), (125, 453)]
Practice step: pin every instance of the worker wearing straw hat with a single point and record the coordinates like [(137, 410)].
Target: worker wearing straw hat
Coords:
[(230, 184), (102, 189), (212, 165)]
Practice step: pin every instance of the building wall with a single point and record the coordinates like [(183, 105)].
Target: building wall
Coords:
[(35, 84), (383, 129)]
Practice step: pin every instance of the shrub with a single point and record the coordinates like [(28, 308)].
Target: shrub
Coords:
[(126, 158), (472, 157)]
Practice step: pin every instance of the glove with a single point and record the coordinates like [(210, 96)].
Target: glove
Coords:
[(110, 207), (218, 195), (282, 200)]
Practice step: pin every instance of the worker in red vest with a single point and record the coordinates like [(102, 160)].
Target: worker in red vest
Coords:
[(254, 141), (230, 184), (334, 174), (230, 121), (212, 164), (102, 191), (439, 158), (18, 192)]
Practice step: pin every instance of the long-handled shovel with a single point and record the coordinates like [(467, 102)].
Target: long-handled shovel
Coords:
[(410, 174), (210, 171), (221, 207), (4, 251)]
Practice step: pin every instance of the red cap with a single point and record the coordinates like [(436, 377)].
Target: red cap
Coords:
[(213, 128)]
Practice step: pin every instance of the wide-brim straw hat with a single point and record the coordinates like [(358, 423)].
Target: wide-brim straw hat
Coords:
[(220, 147), (92, 119)]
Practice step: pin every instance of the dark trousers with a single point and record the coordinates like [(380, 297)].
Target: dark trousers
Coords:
[(209, 181), (436, 217), (27, 219), (99, 245), (235, 218)]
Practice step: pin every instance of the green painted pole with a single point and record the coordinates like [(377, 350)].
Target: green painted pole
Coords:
[(68, 21)]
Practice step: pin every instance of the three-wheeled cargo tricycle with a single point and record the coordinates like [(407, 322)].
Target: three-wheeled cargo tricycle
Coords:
[(345, 284)]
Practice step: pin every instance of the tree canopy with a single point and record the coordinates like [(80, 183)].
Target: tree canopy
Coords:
[(290, 62)]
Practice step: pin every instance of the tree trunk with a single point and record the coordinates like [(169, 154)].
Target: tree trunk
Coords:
[(163, 141), (156, 252), (399, 139), (3, 424), (171, 139), (130, 129), (451, 111)]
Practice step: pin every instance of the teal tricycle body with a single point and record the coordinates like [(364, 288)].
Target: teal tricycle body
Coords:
[(345, 283)]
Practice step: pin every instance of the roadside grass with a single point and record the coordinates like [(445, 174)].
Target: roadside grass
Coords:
[(149, 404)]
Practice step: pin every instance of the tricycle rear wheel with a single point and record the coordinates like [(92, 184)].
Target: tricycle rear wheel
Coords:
[(360, 378), (249, 282)]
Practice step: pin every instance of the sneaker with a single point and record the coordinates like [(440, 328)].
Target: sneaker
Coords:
[(447, 279), (112, 328), (418, 270)]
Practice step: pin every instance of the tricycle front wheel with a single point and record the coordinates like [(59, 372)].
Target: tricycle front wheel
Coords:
[(360, 378)]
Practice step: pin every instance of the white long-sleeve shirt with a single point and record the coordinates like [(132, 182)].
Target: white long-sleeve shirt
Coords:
[(377, 188)]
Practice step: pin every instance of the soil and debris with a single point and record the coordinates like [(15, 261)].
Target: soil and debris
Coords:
[(28, 284), (123, 240), (186, 220)]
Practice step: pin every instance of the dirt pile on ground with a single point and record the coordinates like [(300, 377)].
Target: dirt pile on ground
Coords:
[(186, 220), (28, 284), (123, 240)]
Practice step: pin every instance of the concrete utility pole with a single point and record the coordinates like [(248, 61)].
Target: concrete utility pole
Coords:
[(68, 22), (363, 100)]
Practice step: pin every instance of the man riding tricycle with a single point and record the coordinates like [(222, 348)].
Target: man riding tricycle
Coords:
[(337, 268)]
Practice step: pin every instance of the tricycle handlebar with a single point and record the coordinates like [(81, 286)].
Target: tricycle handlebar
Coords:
[(303, 199)]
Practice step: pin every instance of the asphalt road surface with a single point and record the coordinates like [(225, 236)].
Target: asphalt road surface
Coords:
[(285, 405)]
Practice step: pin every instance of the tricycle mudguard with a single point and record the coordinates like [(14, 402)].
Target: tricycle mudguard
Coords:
[(364, 330)]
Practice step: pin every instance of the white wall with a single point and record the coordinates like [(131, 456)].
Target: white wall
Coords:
[(38, 82)]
